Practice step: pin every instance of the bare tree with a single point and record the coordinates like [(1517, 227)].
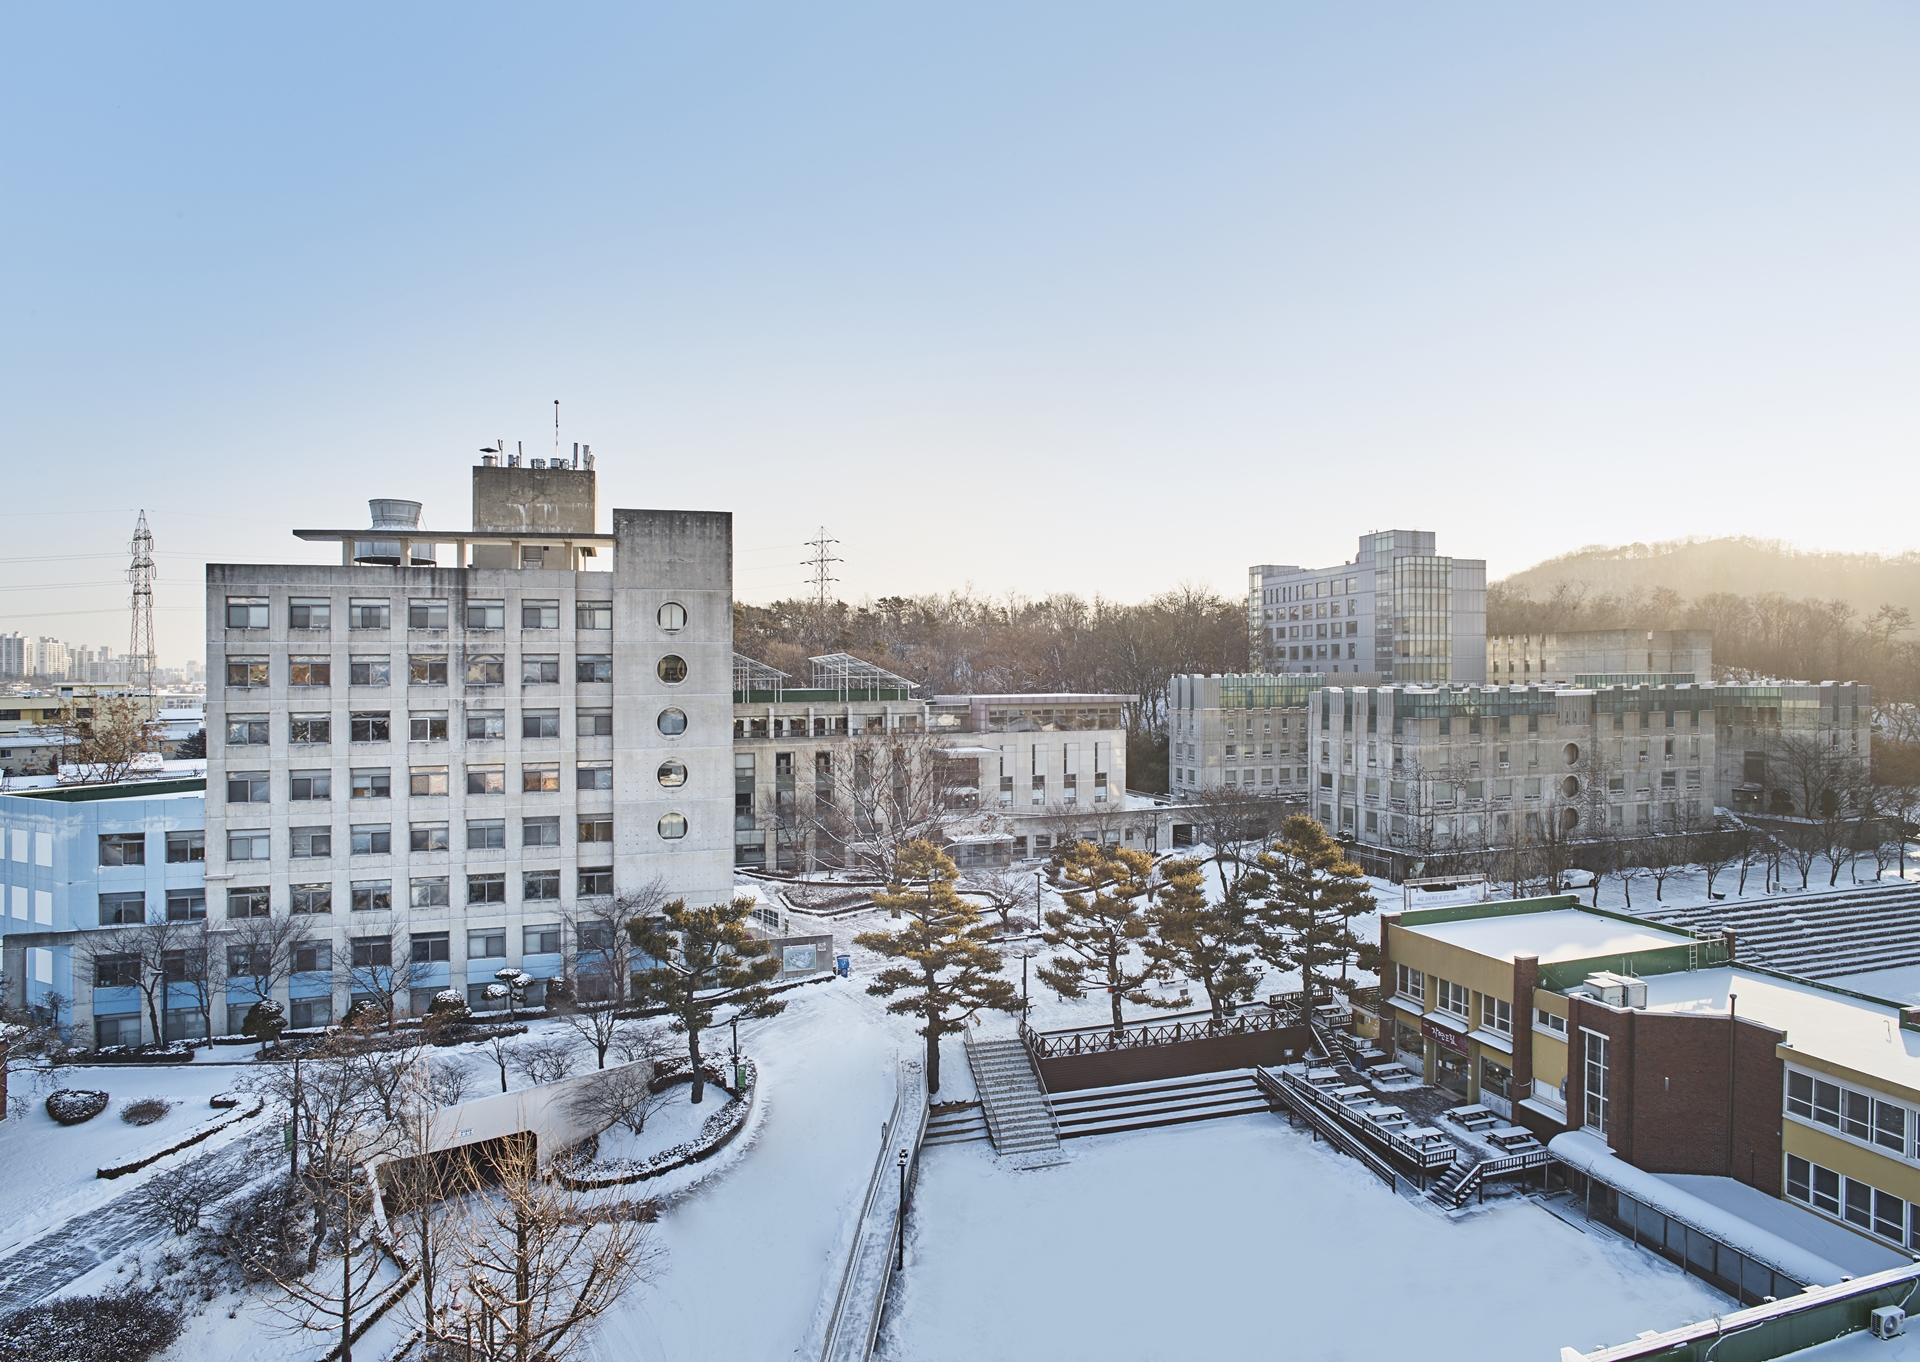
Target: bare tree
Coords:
[(545, 1060), (102, 747), (1014, 895), (598, 963), (620, 1096), (259, 955), (158, 958), (377, 965), (1237, 827), (883, 790)]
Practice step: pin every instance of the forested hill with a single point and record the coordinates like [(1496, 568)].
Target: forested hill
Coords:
[(1692, 569)]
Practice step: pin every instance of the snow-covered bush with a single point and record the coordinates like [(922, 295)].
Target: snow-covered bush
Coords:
[(449, 1006), (145, 1111), (265, 1021), (88, 1329), (71, 1106)]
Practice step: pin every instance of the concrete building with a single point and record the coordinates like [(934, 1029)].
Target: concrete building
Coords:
[(78, 859), (1601, 657), (1660, 1051), (1407, 773), (469, 735), (1396, 609)]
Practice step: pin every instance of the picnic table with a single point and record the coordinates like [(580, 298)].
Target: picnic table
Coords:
[(1386, 1117), (1425, 1135), (1513, 1139), (1473, 1116), (1325, 1078), (1389, 1073), (1350, 1093)]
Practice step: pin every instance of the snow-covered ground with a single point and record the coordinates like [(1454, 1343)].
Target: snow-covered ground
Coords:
[(1243, 1237)]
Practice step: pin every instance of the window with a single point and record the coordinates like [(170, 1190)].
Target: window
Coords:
[(1861, 1115), (309, 612), (250, 845), (671, 722), (1496, 1014), (593, 614), (1548, 1021), (486, 780), (671, 669), (246, 671), (593, 668), (487, 834), (1859, 1203), (486, 614), (1596, 1077), (539, 777), (486, 669), (489, 943), (248, 730), (597, 881), (539, 670), (543, 939), (596, 830), (540, 885), (673, 826), (252, 902), (539, 614), (427, 669), (428, 727), (116, 971), (245, 787), (122, 910), (372, 896), (486, 723), (246, 612), (310, 785), (369, 726), (371, 952), (540, 723), (369, 671), (123, 848), (672, 617), (310, 842), (372, 839), (427, 837), (312, 957), (597, 776), (311, 898), (594, 723), (373, 783), (185, 848), (1410, 983), (487, 888), (370, 614), (426, 781), (309, 728), (540, 832), (1450, 997), (426, 614), (428, 891)]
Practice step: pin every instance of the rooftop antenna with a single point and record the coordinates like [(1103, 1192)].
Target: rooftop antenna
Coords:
[(556, 432), (140, 649), (820, 562)]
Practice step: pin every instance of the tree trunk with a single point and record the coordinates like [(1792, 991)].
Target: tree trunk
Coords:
[(346, 1288), (522, 1289), (933, 1057), (693, 1053)]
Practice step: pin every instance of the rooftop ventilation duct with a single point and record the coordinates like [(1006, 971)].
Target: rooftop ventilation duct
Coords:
[(390, 513)]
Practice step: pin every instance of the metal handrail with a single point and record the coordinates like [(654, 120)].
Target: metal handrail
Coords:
[(834, 1344), (1286, 1092), (1426, 1158)]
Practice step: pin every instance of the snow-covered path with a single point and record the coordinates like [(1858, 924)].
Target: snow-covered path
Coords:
[(755, 1252)]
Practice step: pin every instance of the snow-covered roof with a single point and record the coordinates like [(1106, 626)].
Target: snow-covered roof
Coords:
[(1559, 934), (1854, 1032)]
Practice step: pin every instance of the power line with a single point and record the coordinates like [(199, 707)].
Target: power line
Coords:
[(820, 562)]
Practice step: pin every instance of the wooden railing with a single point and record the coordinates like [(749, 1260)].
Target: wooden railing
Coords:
[(1185, 1026), (1286, 1090)]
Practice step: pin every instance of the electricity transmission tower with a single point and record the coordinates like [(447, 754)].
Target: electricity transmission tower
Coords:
[(140, 649), (820, 563)]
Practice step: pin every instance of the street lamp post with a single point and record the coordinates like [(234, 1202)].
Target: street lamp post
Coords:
[(901, 1221)]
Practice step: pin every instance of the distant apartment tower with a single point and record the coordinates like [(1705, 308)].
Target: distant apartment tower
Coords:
[(472, 734), (1398, 610), (13, 657), (1601, 657)]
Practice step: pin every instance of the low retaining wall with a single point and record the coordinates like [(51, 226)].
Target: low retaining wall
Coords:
[(1174, 1059)]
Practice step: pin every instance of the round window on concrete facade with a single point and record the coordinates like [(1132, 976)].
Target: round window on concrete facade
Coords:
[(672, 669), (1572, 753), (1570, 787), (672, 774), (673, 617), (672, 722), (673, 826)]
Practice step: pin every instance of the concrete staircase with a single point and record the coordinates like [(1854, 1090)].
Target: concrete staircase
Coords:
[(1019, 1121), (1167, 1102), (1816, 935), (956, 1127)]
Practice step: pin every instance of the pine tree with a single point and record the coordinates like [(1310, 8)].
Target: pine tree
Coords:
[(1317, 892), (1103, 934), (946, 968), (705, 959), (1208, 942)]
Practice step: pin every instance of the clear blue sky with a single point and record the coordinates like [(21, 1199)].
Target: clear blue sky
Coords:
[(1092, 298)]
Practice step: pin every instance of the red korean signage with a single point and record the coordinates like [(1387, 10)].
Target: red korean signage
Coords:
[(1442, 1036)]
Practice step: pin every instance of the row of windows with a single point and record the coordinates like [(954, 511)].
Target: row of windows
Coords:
[(536, 777), (130, 848), (316, 613), (1867, 1207), (1859, 1115), (256, 730), (482, 835), (256, 844), (365, 896), (432, 669)]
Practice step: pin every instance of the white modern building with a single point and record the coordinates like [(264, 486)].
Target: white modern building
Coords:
[(1397, 610), (467, 736)]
